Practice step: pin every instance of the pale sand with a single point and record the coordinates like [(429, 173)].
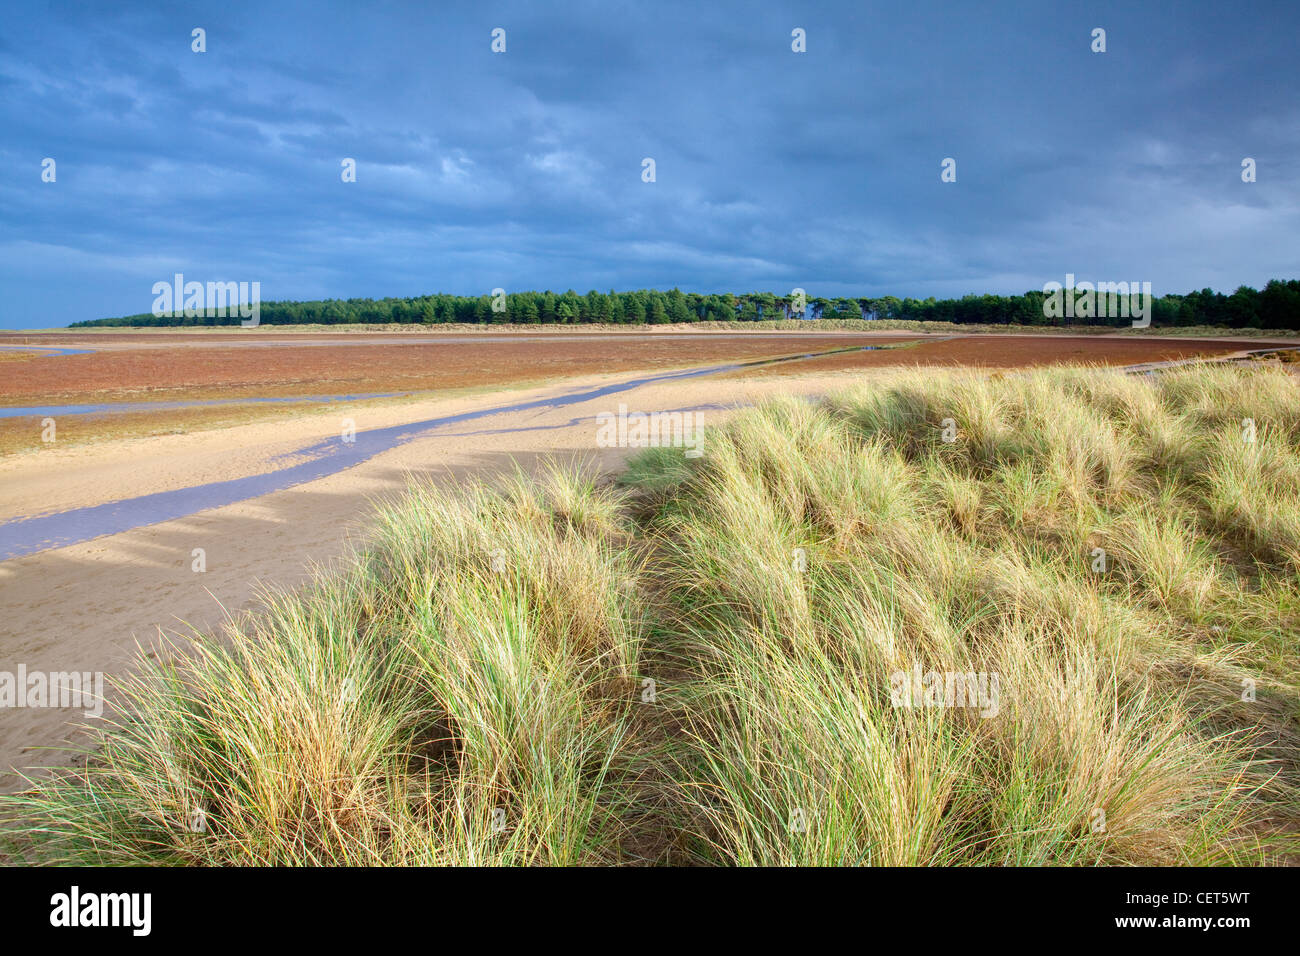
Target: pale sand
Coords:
[(87, 607)]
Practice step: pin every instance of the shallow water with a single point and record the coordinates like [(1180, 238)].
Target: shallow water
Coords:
[(110, 408), (22, 536), (46, 349)]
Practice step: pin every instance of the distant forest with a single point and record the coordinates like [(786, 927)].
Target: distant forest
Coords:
[(1276, 306)]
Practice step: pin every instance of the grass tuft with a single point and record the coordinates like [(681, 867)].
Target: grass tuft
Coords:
[(943, 618)]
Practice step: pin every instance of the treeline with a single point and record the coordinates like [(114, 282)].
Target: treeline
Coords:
[(1276, 306)]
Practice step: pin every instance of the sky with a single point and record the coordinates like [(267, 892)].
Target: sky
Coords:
[(523, 169)]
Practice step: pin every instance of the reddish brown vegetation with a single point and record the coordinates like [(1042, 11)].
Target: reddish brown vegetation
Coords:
[(1016, 351), (144, 368)]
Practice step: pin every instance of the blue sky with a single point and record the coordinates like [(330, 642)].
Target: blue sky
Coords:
[(523, 170)]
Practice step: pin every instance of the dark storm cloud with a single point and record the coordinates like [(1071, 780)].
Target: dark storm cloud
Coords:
[(522, 170)]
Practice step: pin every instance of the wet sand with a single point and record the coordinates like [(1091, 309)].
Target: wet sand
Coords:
[(92, 605)]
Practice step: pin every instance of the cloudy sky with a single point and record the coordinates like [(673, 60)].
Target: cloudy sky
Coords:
[(523, 169)]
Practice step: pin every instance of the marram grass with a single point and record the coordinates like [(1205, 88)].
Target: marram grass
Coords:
[(704, 665)]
